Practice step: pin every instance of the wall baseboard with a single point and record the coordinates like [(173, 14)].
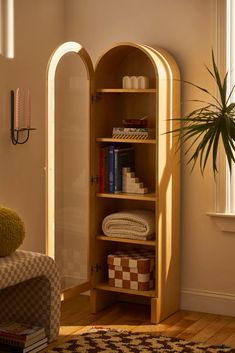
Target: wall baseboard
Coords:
[(206, 301)]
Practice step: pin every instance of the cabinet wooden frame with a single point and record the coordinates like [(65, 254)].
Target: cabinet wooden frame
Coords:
[(157, 163)]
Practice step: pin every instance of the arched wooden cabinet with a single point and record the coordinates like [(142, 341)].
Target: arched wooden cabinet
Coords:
[(156, 163)]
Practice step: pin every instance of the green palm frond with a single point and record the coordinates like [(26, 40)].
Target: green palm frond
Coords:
[(205, 127)]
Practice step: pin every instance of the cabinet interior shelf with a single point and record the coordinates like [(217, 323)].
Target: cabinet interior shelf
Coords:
[(126, 90), (107, 287), (125, 240), (110, 139), (142, 197)]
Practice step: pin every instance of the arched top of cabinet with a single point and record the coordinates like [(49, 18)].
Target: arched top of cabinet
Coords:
[(64, 49), (127, 58)]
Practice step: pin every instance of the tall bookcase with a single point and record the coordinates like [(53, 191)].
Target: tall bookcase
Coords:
[(156, 163)]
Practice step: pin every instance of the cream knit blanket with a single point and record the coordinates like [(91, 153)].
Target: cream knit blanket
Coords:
[(131, 224)]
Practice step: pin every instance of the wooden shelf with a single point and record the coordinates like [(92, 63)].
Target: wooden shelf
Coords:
[(110, 139), (147, 293), (126, 196), (125, 240), (154, 165), (125, 90)]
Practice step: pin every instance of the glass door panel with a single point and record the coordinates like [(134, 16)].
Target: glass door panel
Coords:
[(71, 241)]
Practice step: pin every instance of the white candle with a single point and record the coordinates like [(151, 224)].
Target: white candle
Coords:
[(28, 110), (17, 109)]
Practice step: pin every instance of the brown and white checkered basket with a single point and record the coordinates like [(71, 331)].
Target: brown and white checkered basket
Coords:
[(132, 269)]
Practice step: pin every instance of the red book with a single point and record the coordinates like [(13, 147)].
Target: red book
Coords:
[(102, 169)]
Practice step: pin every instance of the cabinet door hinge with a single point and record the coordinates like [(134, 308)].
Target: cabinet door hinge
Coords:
[(95, 268), (95, 98), (95, 179)]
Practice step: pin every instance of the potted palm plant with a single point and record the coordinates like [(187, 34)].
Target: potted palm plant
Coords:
[(204, 127)]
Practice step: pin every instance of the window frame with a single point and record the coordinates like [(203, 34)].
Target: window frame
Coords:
[(224, 203)]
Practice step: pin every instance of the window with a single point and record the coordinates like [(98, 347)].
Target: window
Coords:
[(225, 38), (230, 63)]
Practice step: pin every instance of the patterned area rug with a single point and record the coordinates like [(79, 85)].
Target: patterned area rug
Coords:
[(113, 341)]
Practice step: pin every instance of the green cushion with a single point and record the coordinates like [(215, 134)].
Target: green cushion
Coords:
[(12, 231)]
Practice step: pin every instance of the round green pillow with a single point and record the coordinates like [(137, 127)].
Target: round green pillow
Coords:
[(12, 231)]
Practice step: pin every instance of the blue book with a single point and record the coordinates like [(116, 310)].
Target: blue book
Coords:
[(123, 158), (111, 168)]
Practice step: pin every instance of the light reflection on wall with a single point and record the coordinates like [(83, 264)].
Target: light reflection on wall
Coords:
[(7, 28)]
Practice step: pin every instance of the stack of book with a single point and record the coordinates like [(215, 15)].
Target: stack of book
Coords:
[(136, 133), (112, 159), (18, 337)]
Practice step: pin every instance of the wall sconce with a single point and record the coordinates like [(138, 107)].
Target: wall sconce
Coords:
[(7, 28), (16, 106)]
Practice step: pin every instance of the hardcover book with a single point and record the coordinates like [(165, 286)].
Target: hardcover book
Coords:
[(103, 169), (33, 348), (20, 331), (106, 170), (123, 157), (111, 169), (19, 342), (132, 132)]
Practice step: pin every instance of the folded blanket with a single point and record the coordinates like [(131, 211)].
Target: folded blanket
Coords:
[(131, 224)]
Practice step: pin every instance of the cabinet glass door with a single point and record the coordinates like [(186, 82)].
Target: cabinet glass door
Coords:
[(68, 183)]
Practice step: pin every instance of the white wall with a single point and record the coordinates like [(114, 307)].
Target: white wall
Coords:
[(187, 30), (39, 28)]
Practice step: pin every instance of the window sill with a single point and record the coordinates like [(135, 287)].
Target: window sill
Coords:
[(225, 221)]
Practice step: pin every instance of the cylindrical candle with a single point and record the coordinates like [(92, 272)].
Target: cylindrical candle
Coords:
[(28, 110), (17, 110)]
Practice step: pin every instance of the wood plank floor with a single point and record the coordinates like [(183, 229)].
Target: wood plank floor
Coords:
[(195, 326)]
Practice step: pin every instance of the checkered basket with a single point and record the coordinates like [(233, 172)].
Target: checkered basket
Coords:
[(132, 269)]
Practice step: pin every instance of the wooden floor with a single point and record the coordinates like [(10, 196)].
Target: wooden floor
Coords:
[(212, 329)]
